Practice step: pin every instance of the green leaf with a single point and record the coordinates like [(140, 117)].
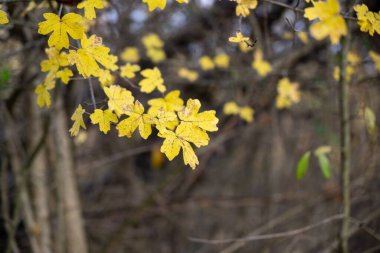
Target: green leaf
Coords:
[(4, 76), (324, 164), (303, 165)]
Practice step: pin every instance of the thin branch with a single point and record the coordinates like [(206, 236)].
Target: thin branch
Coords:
[(92, 93), (270, 236)]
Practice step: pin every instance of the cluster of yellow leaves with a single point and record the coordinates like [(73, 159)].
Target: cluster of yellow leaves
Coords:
[(180, 126), (245, 112), (243, 7), (92, 52), (376, 58), (153, 4), (367, 20), (330, 22), (3, 17), (154, 47), (288, 94), (262, 67), (221, 60), (353, 60), (188, 74)]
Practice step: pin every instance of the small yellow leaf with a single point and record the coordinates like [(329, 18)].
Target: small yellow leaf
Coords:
[(65, 75), (222, 60), (153, 80), (89, 7), (170, 103), (153, 4), (43, 96), (262, 67), (205, 120), (188, 74), (104, 119), (3, 18), (206, 63), (119, 99), (77, 117), (129, 70), (130, 54), (238, 38)]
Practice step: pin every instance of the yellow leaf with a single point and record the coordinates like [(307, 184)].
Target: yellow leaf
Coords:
[(222, 60), (89, 7), (153, 4), (152, 81), (69, 24), (55, 60), (77, 117), (243, 7), (205, 120), (231, 108), (105, 77), (119, 99), (152, 40), (43, 96), (331, 23), (3, 18), (65, 75), (376, 58), (181, 138), (130, 54), (288, 94), (238, 38), (206, 63), (104, 119), (262, 67), (246, 113), (136, 118), (164, 119), (93, 51), (170, 103), (188, 74), (129, 70), (156, 55)]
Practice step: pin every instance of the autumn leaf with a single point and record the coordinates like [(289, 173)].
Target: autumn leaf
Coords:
[(245, 113), (55, 60), (222, 60), (288, 94), (77, 117), (206, 63), (89, 7), (368, 21), (136, 119), (153, 80), (104, 119), (129, 70), (181, 138), (244, 6), (130, 54), (64, 75), (262, 67), (61, 28), (170, 103), (92, 52), (205, 120), (119, 99), (188, 74), (43, 96), (153, 4), (238, 38), (3, 17), (331, 24)]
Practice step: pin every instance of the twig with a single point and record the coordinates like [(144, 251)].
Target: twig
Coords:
[(270, 236), (92, 93)]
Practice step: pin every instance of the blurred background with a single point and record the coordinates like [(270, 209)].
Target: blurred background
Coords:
[(101, 193)]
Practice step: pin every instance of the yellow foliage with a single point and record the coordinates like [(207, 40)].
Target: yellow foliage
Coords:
[(188, 74), (153, 80), (61, 28), (119, 99), (153, 4), (288, 94), (222, 60), (245, 113), (156, 55), (93, 51), (43, 96), (54, 61), (244, 6), (376, 58), (368, 21), (104, 119), (130, 54), (129, 70), (238, 38), (64, 75), (136, 118), (89, 7), (262, 67), (170, 103), (105, 78), (331, 23), (77, 117), (152, 40), (205, 120), (206, 63), (3, 17)]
